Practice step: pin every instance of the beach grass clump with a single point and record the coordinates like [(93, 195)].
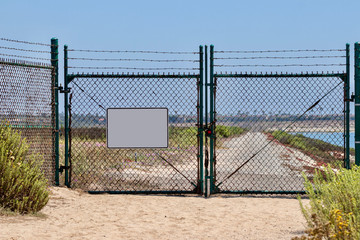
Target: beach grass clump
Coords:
[(23, 186), (315, 147), (334, 210)]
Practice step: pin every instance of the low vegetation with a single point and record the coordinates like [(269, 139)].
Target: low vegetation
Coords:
[(334, 211), (23, 187), (178, 136), (187, 136), (89, 150), (228, 131), (318, 149)]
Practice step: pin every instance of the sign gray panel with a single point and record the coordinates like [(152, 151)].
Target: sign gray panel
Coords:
[(137, 127)]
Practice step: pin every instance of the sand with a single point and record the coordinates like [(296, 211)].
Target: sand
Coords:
[(72, 214)]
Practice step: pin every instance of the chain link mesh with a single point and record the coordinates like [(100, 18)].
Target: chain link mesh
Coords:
[(252, 111), (26, 97), (98, 168)]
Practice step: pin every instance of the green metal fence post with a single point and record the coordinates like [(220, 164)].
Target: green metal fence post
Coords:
[(206, 164), (206, 85), (357, 103), (55, 65), (212, 136), (347, 108), (201, 121), (66, 100)]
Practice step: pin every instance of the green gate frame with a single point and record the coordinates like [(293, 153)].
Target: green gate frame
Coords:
[(211, 177), (199, 188)]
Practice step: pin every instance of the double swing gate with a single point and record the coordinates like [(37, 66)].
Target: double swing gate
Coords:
[(236, 131), (239, 121)]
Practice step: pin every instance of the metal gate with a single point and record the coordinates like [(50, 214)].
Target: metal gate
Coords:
[(92, 166), (268, 129), (241, 132)]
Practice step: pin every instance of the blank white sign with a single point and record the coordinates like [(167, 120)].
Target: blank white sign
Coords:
[(137, 127)]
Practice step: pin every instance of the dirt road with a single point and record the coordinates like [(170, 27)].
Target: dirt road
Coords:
[(275, 166)]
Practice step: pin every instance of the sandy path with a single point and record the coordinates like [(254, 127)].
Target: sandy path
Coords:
[(274, 168), (76, 215)]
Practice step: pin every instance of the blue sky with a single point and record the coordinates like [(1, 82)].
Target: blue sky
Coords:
[(257, 24), (184, 25)]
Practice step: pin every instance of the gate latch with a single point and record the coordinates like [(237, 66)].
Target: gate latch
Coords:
[(207, 131), (62, 168), (351, 99)]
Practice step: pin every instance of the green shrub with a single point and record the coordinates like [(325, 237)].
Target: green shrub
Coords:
[(183, 136), (228, 131), (222, 131), (334, 211), (23, 187)]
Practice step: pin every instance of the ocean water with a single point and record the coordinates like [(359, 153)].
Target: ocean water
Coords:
[(336, 138)]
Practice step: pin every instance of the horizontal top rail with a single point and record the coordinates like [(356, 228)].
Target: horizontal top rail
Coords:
[(279, 65), (135, 68), (132, 75), (294, 75), (22, 63)]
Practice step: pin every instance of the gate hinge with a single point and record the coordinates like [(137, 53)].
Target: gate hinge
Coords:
[(62, 168), (61, 89), (351, 99)]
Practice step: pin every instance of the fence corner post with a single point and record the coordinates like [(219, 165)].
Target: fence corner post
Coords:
[(55, 85)]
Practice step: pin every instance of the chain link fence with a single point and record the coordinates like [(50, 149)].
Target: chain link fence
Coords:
[(27, 96), (94, 167), (278, 137), (26, 100)]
